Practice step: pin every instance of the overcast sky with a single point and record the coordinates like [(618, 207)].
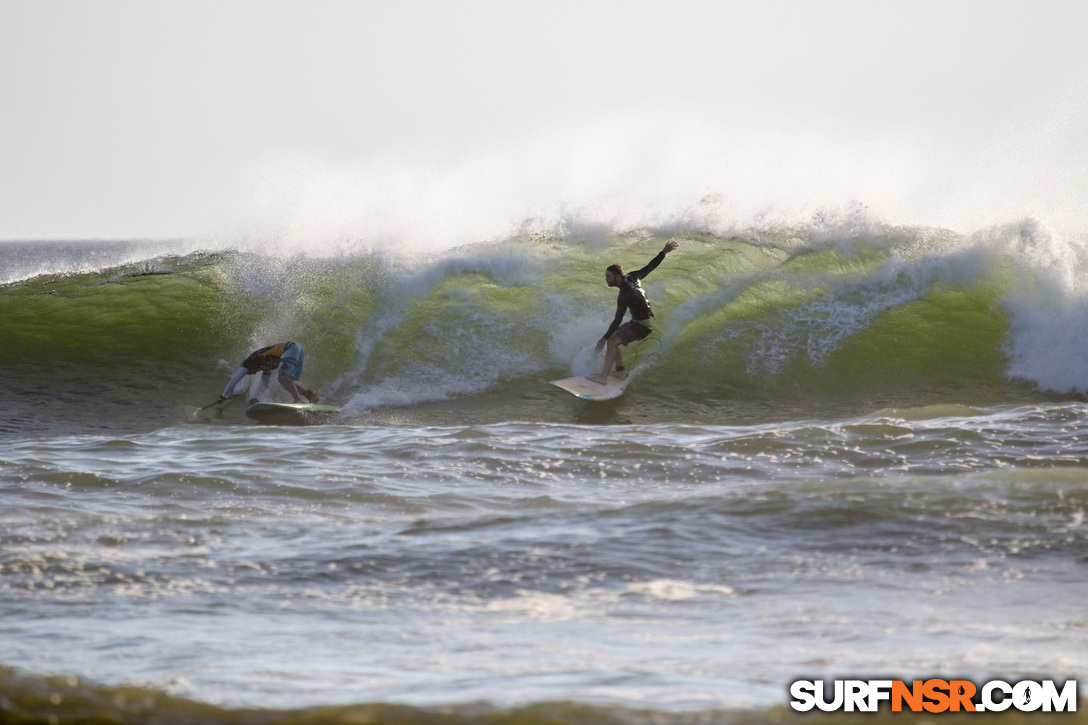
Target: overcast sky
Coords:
[(137, 119)]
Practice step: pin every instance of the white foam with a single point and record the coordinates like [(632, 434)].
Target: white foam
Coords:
[(1047, 306)]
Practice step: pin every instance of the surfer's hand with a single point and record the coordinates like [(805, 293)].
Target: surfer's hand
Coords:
[(670, 246), (600, 345)]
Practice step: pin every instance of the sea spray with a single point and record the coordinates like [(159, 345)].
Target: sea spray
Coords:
[(1047, 304)]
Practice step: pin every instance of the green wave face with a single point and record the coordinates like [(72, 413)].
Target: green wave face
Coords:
[(772, 317)]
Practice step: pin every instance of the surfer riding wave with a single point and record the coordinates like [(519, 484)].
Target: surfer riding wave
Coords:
[(287, 357), (631, 297)]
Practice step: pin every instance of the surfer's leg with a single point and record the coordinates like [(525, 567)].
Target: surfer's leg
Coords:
[(296, 390), (620, 370), (291, 372), (260, 387), (611, 352)]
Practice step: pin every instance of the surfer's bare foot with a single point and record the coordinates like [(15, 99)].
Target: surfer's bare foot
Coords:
[(601, 378)]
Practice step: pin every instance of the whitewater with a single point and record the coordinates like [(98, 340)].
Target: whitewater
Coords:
[(849, 448)]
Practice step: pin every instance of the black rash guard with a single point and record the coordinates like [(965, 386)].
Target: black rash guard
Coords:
[(634, 297)]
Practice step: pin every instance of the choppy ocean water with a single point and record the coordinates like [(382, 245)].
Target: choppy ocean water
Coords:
[(841, 454)]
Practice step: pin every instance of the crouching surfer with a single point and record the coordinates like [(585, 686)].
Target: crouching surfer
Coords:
[(287, 357)]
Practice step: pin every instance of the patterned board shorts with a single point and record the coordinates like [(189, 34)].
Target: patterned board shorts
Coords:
[(291, 361)]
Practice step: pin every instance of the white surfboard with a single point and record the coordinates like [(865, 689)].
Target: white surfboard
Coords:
[(588, 389)]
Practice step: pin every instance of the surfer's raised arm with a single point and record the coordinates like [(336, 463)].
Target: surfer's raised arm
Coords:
[(669, 246)]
